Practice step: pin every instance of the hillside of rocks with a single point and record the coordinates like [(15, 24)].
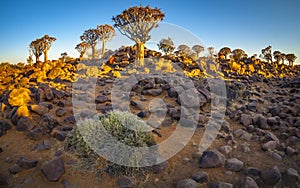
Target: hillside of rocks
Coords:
[(258, 144)]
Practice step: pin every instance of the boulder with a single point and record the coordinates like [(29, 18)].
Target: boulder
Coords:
[(19, 97), (53, 169), (271, 176), (234, 164), (211, 159), (187, 183), (26, 163)]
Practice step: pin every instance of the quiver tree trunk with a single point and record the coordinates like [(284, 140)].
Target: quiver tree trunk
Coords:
[(46, 56), (93, 52), (140, 53), (103, 47)]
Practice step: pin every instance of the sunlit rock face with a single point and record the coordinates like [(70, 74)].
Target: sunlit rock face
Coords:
[(19, 97)]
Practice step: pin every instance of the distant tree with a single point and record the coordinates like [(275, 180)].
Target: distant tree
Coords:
[(291, 58), (136, 23), (277, 56), (82, 48), (91, 36), (183, 48), (211, 51), (106, 33), (198, 49), (37, 48), (47, 42), (29, 59), (225, 51), (238, 54), (267, 53), (64, 56), (166, 45)]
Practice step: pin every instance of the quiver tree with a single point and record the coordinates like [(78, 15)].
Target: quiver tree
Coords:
[(136, 23), (82, 48), (91, 36), (106, 33), (211, 51), (277, 56), (291, 58), (166, 45), (47, 42), (238, 54), (185, 49), (267, 53), (29, 59), (36, 48), (198, 49), (225, 52)]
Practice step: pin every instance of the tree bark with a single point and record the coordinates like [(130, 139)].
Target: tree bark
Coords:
[(93, 52), (103, 47), (46, 56), (140, 54)]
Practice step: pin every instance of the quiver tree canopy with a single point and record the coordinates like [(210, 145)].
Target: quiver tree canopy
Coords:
[(91, 36), (106, 33), (82, 48), (136, 23), (36, 48)]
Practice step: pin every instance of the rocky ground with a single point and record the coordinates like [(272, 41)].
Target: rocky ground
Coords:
[(257, 146)]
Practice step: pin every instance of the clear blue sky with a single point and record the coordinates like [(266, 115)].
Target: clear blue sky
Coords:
[(250, 25)]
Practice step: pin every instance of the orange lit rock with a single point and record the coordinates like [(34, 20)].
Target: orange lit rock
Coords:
[(23, 111), (19, 97)]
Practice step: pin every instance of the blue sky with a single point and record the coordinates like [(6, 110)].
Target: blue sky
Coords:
[(250, 25)]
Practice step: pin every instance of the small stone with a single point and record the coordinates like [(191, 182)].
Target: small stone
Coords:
[(61, 135), (142, 114), (252, 171), (187, 183), (271, 176), (14, 169), (35, 134), (220, 185), (39, 109), (53, 169), (271, 145), (101, 99), (167, 122), (225, 149), (211, 159), (26, 163), (248, 182), (125, 182), (61, 112), (246, 119), (245, 147), (152, 92), (200, 177), (234, 165), (25, 123), (275, 156), (262, 122), (44, 145), (290, 151)]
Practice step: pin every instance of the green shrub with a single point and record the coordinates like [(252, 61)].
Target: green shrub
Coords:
[(104, 134)]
